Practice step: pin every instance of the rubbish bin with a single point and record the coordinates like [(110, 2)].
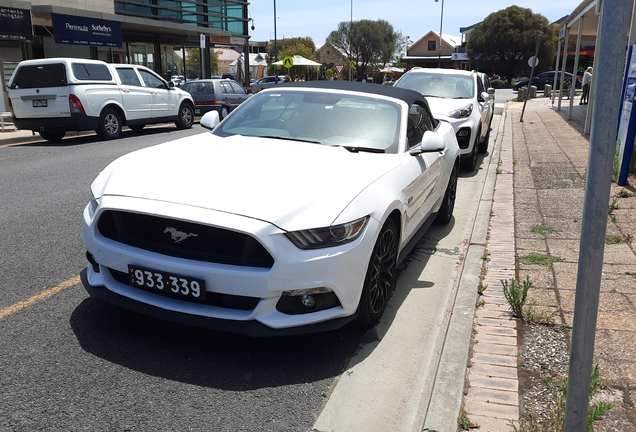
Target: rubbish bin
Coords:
[(521, 94), (533, 91), (547, 91)]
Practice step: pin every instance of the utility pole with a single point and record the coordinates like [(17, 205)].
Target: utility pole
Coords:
[(609, 65)]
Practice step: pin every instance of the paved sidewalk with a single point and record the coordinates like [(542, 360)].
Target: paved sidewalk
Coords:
[(544, 176)]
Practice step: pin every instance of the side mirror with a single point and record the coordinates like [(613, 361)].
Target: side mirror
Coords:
[(431, 142), (210, 120), (170, 84), (249, 91), (483, 96), (490, 91)]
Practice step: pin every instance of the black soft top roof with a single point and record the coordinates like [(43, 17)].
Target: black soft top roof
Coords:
[(408, 96)]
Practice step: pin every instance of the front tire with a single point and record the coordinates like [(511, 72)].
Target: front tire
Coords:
[(52, 136), (448, 205), (483, 147), (470, 162), (186, 116), (380, 280), (109, 124)]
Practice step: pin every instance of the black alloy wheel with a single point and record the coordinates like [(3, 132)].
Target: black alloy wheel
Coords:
[(52, 135), (448, 205), (380, 280), (186, 116), (109, 124)]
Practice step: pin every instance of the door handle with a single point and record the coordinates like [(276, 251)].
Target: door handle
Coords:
[(126, 90)]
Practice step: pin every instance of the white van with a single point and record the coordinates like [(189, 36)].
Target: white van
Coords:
[(52, 96)]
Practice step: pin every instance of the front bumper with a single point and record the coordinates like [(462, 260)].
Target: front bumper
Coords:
[(341, 269), (458, 124)]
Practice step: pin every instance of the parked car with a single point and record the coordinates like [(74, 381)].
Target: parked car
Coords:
[(459, 97), (178, 80), (221, 95), (266, 82), (290, 217), (546, 78), (52, 96)]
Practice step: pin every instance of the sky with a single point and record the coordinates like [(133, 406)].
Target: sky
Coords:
[(414, 18)]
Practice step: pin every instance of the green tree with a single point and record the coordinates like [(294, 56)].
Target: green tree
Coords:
[(366, 42), (506, 39), (193, 61), (284, 46)]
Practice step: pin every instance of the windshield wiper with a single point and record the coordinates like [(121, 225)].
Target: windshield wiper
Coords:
[(353, 149), (287, 138)]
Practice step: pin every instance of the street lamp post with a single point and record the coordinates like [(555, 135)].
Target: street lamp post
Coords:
[(350, 56), (275, 50), (441, 21)]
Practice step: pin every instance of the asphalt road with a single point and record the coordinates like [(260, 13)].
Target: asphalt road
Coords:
[(71, 363)]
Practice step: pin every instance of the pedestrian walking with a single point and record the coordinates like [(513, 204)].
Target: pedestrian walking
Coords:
[(587, 80)]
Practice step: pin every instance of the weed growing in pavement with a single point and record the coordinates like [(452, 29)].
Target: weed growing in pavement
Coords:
[(632, 274), (540, 229), (618, 239), (613, 206), (623, 194), (464, 422), (480, 303), (499, 171), (616, 166), (565, 326), (485, 255), (515, 295), (613, 219), (538, 317), (540, 259), (556, 412), (481, 288)]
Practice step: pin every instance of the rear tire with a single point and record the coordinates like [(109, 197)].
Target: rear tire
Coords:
[(109, 124), (445, 213), (52, 136), (224, 112), (186, 116), (379, 282)]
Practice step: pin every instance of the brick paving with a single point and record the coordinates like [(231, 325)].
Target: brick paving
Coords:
[(541, 182)]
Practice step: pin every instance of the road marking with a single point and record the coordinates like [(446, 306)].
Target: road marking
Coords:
[(48, 293)]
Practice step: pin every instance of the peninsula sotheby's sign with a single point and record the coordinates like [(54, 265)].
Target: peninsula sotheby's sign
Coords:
[(76, 30)]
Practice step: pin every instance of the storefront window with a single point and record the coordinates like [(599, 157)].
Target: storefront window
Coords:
[(142, 54), (171, 62)]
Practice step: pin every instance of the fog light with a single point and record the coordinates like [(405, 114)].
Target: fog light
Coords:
[(308, 301)]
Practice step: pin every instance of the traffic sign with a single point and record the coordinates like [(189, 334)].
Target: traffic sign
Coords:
[(533, 61), (288, 62), (339, 69), (352, 64)]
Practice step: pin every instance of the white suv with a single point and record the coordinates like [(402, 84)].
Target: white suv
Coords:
[(460, 98), (52, 96)]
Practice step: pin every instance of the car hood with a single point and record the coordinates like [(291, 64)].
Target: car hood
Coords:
[(441, 107), (290, 184)]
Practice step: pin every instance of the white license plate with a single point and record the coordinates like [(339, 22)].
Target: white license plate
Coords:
[(173, 285), (39, 102)]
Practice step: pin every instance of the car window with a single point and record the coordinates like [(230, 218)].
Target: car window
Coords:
[(128, 76), (225, 87), (39, 76), (238, 89), (151, 80), (91, 71), (419, 122), (327, 118), (439, 85), (480, 87)]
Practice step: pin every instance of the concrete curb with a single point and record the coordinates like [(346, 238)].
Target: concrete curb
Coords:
[(447, 396)]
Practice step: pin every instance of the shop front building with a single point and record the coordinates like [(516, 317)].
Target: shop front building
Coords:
[(169, 37)]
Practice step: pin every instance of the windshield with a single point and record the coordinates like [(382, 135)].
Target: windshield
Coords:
[(439, 85), (317, 116)]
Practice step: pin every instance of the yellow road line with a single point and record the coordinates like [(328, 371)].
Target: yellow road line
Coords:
[(48, 293)]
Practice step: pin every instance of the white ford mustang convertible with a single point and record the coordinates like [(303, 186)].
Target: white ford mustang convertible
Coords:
[(290, 217)]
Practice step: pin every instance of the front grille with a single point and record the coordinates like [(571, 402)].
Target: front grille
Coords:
[(227, 301), (189, 240)]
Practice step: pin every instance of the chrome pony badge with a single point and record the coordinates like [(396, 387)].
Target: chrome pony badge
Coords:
[(178, 236)]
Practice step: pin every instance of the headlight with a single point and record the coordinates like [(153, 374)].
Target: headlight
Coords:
[(464, 112), (334, 235)]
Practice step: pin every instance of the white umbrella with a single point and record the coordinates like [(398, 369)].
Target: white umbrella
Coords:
[(391, 69), (300, 61)]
